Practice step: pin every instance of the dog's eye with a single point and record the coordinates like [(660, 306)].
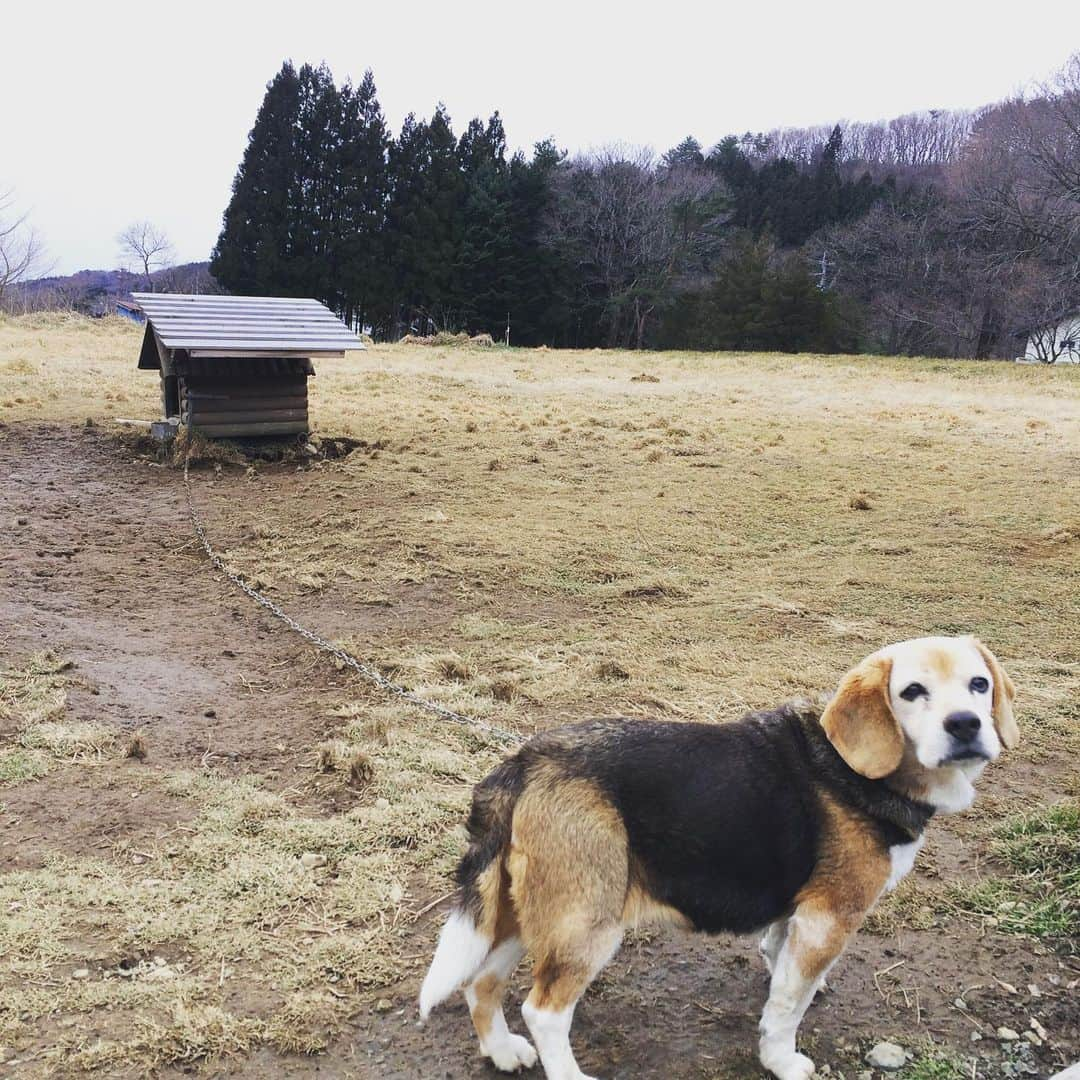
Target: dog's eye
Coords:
[(914, 690), (979, 685)]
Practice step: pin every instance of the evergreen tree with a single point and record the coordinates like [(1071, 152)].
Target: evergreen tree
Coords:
[(489, 258), (546, 285), (316, 228), (778, 198), (360, 264), (758, 301), (687, 154), (424, 222), (828, 186), (253, 251)]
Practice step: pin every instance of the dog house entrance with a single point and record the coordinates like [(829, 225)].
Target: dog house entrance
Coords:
[(170, 396)]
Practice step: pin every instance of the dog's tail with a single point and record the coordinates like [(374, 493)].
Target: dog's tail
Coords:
[(483, 887)]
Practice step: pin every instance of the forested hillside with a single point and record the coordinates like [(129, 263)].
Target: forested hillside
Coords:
[(947, 233)]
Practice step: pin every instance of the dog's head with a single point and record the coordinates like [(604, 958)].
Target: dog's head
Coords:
[(938, 703)]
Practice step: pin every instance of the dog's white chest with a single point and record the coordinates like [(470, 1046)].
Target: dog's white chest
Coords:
[(902, 857)]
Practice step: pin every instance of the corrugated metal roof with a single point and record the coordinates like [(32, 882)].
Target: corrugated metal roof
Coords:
[(229, 324)]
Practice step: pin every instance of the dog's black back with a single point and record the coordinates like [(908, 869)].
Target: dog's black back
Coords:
[(724, 821)]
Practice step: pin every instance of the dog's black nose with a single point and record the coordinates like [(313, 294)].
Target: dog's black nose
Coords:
[(962, 726)]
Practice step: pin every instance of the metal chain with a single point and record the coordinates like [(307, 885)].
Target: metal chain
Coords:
[(371, 674)]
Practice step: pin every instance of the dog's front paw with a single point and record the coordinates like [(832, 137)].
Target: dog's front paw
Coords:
[(790, 1067), (513, 1053)]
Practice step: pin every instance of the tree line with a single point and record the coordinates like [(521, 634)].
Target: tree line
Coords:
[(945, 233)]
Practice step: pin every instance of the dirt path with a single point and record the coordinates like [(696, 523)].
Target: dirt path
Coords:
[(99, 565)]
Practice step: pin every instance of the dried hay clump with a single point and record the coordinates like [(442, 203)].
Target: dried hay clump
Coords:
[(661, 589), (611, 671), (453, 667), (447, 337), (195, 449), (136, 746), (35, 693), (74, 741), (443, 337), (306, 1023), (17, 765), (198, 1033), (336, 755)]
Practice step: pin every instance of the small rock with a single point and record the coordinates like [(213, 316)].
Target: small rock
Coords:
[(1039, 1029), (1033, 990), (888, 1056), (383, 1005), (382, 804), (961, 1004), (81, 973), (976, 1036), (1033, 1038), (1006, 1034), (310, 860), (210, 714), (991, 921)]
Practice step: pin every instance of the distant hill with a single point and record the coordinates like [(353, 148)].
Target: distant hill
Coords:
[(95, 292)]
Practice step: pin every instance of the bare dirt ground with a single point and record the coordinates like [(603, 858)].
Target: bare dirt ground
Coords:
[(157, 920)]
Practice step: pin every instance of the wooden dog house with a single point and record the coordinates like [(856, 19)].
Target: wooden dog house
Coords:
[(237, 366)]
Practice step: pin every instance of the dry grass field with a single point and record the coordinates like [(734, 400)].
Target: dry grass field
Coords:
[(220, 852)]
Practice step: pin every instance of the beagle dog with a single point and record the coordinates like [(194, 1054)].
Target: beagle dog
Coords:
[(792, 821)]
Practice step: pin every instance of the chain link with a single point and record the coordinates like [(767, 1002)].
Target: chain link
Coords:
[(371, 674)]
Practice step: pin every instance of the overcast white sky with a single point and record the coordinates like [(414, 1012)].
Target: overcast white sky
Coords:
[(117, 112)]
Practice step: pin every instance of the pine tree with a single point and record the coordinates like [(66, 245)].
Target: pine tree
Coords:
[(687, 154), (253, 250), (485, 273), (424, 224), (363, 181), (316, 188)]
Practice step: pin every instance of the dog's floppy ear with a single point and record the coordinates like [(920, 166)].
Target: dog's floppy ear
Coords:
[(1004, 695), (859, 720)]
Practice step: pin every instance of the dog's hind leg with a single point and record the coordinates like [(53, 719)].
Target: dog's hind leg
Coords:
[(560, 982), (508, 1052), (569, 876)]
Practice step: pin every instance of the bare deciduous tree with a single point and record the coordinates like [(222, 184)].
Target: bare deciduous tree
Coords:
[(631, 226), (913, 141), (148, 245), (21, 250)]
